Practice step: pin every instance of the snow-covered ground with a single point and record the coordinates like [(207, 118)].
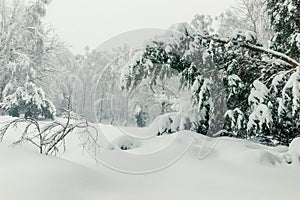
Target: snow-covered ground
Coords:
[(224, 168)]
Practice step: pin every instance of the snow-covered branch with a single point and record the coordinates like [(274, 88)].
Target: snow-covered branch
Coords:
[(275, 54), (50, 138), (259, 49)]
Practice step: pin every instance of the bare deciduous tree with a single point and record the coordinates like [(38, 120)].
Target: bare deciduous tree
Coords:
[(50, 138), (248, 15)]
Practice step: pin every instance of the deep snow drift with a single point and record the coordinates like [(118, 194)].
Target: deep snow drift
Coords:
[(224, 168)]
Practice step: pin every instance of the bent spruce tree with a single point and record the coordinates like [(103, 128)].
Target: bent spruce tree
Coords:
[(255, 92)]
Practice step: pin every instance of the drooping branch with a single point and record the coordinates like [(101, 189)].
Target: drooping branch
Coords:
[(260, 49), (275, 54)]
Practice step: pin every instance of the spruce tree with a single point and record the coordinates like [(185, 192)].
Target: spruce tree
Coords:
[(29, 100), (285, 21)]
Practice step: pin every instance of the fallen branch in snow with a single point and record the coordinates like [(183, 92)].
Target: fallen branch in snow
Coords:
[(51, 137)]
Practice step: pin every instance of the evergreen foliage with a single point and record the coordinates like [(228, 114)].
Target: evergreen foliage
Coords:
[(29, 100), (232, 83)]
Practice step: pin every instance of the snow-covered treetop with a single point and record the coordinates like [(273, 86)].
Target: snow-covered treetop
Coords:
[(183, 28), (245, 35)]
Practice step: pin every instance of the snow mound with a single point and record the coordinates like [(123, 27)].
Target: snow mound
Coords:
[(126, 142), (236, 168), (261, 157), (164, 124), (28, 175), (281, 149), (294, 150)]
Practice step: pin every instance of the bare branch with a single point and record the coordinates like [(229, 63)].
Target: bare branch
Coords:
[(51, 138)]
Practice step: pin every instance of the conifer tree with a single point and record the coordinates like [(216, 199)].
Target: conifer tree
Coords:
[(285, 21)]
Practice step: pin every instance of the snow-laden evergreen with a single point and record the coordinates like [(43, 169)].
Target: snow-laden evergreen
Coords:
[(285, 22), (164, 107), (235, 122), (243, 78), (30, 101)]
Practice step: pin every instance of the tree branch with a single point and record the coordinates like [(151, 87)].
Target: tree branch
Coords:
[(252, 47)]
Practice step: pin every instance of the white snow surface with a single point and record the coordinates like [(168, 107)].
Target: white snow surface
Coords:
[(233, 169)]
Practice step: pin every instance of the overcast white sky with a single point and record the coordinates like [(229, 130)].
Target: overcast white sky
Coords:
[(92, 22)]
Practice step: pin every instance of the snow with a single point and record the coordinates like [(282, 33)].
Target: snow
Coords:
[(251, 36), (202, 96), (294, 150), (234, 83), (230, 113), (297, 39), (290, 6), (276, 54), (233, 79), (258, 93), (248, 36), (261, 114), (125, 142), (183, 28), (200, 168), (29, 93), (238, 121), (279, 78), (127, 70), (280, 105), (196, 85), (294, 83), (165, 123)]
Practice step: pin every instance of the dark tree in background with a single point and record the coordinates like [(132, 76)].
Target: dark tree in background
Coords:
[(285, 21)]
